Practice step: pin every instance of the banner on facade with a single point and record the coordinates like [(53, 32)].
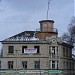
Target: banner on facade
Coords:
[(30, 50)]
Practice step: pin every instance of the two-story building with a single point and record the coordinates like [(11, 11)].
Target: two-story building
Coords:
[(36, 50)]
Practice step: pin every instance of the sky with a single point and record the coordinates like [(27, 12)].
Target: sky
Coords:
[(21, 15)]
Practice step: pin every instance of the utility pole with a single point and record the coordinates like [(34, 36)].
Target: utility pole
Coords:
[(18, 57), (40, 67), (16, 62)]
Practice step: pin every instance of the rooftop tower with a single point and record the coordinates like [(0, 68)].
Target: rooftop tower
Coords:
[(46, 29)]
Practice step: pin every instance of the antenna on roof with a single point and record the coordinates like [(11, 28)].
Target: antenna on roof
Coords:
[(48, 8)]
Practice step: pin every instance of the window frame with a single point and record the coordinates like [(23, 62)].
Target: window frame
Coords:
[(10, 64), (53, 65), (0, 64), (38, 49), (10, 49), (23, 47), (53, 51), (64, 51), (37, 64), (24, 64)]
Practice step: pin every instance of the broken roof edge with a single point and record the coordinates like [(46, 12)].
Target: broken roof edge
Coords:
[(20, 34)]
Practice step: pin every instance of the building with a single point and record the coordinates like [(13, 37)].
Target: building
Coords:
[(36, 50)]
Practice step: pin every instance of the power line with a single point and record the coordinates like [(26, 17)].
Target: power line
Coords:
[(18, 22)]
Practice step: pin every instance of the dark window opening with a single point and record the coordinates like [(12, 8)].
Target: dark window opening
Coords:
[(10, 64), (0, 64), (10, 49), (64, 51), (23, 47), (70, 65), (53, 64), (37, 64), (24, 64), (38, 48)]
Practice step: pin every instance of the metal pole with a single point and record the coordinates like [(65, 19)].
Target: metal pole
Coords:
[(21, 61), (48, 8), (16, 62), (39, 68), (49, 57)]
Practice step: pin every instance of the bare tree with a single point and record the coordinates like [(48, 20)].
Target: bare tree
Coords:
[(69, 36)]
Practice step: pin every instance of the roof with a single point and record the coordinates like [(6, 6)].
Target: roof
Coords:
[(46, 21), (65, 44), (26, 36), (21, 36)]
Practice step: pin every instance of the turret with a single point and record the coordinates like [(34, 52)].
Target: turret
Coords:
[(46, 29)]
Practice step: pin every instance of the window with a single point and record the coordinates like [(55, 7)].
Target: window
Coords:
[(23, 47), (64, 51), (57, 65), (57, 51), (53, 50), (64, 64), (53, 64), (37, 64), (24, 64), (10, 64), (67, 64), (70, 65), (10, 49), (38, 48), (0, 64), (70, 53)]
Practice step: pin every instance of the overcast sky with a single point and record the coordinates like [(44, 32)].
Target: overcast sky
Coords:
[(19, 15)]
